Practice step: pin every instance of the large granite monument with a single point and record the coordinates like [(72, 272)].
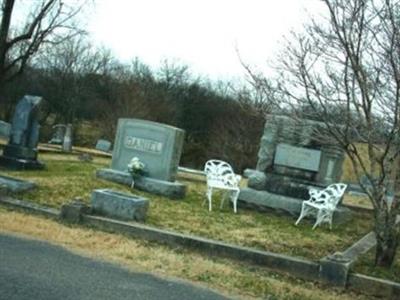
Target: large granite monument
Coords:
[(21, 151), (294, 156), (158, 146)]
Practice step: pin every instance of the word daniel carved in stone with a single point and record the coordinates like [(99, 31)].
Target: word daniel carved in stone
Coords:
[(144, 145), (297, 157)]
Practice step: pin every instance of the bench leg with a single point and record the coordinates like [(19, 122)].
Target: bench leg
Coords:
[(303, 213), (209, 197)]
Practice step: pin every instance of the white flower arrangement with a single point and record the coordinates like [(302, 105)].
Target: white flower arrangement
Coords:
[(136, 168)]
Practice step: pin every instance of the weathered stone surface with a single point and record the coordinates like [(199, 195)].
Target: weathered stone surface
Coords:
[(158, 146), (103, 145), (5, 129), (73, 212), (247, 172), (287, 204), (360, 247), (297, 157), (257, 180), (334, 269), (296, 148), (119, 205), (16, 185), (264, 198), (58, 135), (25, 125), (173, 190), (21, 152), (67, 141)]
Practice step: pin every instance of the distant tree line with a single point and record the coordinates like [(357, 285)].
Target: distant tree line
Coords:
[(86, 85)]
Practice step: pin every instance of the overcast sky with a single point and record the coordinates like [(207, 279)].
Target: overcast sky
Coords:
[(201, 34)]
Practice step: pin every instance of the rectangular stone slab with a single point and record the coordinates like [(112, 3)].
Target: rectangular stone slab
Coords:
[(297, 157), (158, 146), (16, 185), (119, 205), (172, 190), (103, 145)]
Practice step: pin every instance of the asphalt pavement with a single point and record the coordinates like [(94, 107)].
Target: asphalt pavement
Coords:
[(36, 270)]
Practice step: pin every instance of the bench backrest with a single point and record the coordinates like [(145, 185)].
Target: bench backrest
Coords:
[(219, 172), (337, 191)]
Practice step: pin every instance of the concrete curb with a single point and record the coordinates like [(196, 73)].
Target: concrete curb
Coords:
[(374, 286), (298, 267), (30, 207)]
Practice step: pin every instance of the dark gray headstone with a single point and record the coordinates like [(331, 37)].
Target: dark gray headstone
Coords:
[(25, 124), (21, 152)]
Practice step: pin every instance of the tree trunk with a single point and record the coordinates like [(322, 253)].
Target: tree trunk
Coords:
[(387, 238)]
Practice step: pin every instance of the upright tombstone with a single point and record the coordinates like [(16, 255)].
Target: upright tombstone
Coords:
[(103, 145), (5, 129), (58, 135), (21, 151), (293, 157), (67, 141), (158, 146)]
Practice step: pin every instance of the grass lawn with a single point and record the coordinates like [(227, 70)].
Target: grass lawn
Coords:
[(66, 177)]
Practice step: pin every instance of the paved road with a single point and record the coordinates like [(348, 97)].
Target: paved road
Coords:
[(36, 270)]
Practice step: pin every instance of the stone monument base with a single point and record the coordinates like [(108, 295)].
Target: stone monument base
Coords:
[(16, 185), (173, 190), (282, 185), (287, 204), (119, 205), (20, 164), (14, 151)]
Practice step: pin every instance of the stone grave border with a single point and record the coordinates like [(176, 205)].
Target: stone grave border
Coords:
[(333, 269)]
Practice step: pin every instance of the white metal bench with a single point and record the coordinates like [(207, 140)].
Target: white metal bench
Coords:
[(220, 175), (322, 203)]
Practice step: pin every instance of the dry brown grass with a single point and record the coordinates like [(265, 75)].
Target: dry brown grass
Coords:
[(223, 275)]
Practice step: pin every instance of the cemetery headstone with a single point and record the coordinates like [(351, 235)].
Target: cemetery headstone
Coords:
[(103, 145), (21, 151), (16, 185), (5, 129), (292, 159), (67, 141), (58, 136), (158, 146)]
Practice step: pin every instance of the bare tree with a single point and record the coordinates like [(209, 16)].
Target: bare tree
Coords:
[(48, 21), (68, 73), (346, 64)]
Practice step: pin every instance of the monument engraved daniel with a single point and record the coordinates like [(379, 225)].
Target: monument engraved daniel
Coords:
[(158, 146)]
